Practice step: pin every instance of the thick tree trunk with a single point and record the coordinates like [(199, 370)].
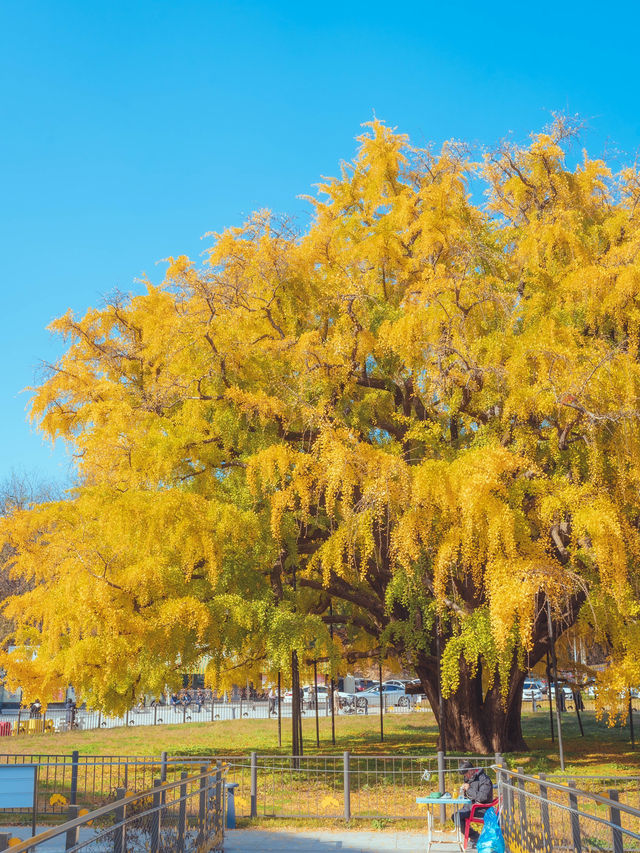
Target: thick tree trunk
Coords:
[(485, 722), (474, 721), (502, 716)]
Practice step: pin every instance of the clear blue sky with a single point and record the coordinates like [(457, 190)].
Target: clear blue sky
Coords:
[(129, 129)]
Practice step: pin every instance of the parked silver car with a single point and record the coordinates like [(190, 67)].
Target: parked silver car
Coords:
[(393, 693)]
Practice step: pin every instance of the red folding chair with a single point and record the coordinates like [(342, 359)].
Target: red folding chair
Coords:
[(479, 819)]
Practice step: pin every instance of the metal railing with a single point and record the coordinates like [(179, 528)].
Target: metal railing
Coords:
[(627, 786), (539, 815), (183, 816)]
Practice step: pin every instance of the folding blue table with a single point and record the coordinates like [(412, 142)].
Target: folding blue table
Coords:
[(441, 801)]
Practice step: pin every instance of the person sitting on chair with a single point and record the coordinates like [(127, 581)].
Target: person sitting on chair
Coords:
[(478, 788)]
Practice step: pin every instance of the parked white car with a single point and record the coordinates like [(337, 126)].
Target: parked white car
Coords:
[(568, 692), (309, 693), (531, 690)]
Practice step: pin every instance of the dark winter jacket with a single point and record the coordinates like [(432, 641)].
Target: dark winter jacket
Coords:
[(480, 788)]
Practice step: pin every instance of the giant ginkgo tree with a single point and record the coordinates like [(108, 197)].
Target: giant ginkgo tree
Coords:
[(416, 423)]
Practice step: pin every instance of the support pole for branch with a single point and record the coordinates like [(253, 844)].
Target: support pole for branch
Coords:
[(441, 727), (555, 680), (300, 718), (550, 700), (381, 698), (295, 707), (333, 686), (315, 688), (296, 715), (333, 711), (633, 740), (279, 709), (576, 702)]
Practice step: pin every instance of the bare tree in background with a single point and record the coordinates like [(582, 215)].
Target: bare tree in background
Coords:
[(17, 491)]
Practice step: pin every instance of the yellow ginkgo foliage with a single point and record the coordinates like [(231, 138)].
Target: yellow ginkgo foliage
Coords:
[(405, 429)]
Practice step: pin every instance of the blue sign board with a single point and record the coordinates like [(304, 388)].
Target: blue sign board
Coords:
[(17, 785)]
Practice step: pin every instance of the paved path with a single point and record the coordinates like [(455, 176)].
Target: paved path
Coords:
[(256, 841), (54, 845)]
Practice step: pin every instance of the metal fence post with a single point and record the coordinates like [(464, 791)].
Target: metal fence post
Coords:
[(441, 783), (254, 784), (346, 785), (4, 840), (73, 796), (155, 819), (163, 766), (616, 823), (119, 840), (509, 798), (219, 793), (522, 805), (217, 797), (544, 811), (575, 819), (182, 811), (202, 802), (71, 838)]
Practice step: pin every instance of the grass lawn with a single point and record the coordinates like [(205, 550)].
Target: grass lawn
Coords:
[(603, 750)]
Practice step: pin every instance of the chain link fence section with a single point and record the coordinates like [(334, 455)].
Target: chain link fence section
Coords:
[(342, 786), (323, 786), (539, 815), (185, 816), (91, 781)]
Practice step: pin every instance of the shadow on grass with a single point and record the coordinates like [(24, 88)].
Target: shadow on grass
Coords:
[(603, 749)]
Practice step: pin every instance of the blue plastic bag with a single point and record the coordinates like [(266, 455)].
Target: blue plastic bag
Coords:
[(491, 840)]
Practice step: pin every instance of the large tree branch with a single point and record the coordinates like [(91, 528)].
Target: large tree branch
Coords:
[(358, 621), (560, 622), (339, 588)]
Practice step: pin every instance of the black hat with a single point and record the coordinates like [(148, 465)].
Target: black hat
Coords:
[(465, 766)]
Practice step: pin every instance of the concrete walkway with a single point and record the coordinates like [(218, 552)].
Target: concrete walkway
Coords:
[(54, 845), (283, 841), (286, 841)]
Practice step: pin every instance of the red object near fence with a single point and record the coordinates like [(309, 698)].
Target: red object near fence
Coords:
[(5, 728)]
